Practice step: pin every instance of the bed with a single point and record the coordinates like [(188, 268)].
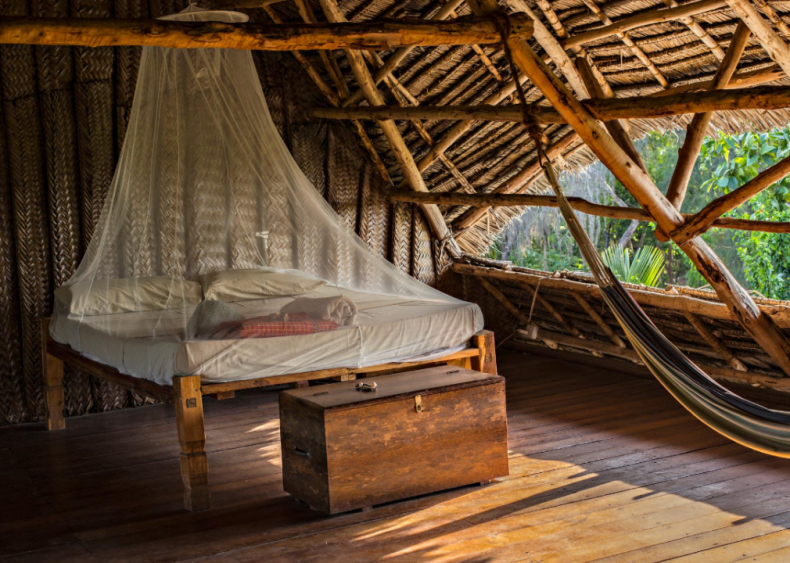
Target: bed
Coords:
[(145, 351)]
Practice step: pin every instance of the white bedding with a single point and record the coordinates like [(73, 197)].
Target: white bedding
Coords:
[(389, 329)]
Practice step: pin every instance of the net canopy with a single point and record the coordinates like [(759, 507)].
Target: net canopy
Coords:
[(214, 254)]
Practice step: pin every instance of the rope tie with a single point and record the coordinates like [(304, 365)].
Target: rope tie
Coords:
[(502, 23), (534, 299)]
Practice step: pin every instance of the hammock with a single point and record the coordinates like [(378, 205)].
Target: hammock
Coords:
[(734, 417)]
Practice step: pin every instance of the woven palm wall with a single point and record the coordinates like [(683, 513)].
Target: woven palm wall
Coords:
[(62, 122)]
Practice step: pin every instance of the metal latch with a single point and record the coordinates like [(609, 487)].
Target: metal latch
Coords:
[(418, 403)]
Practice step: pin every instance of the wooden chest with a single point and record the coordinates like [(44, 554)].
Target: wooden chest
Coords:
[(420, 432)]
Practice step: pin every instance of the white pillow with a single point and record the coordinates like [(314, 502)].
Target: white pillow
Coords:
[(125, 295), (241, 285)]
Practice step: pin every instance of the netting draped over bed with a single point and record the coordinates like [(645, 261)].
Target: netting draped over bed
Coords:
[(205, 190)]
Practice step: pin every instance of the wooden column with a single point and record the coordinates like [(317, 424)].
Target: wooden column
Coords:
[(192, 438), (485, 361), (698, 128), (53, 382), (741, 305)]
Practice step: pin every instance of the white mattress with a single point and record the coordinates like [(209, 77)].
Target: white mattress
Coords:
[(389, 329)]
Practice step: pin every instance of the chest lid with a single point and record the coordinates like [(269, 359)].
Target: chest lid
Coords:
[(406, 384)]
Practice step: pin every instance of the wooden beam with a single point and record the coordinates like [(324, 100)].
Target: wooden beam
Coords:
[(639, 184), (740, 80), (616, 128), (726, 374), (698, 128), (391, 132), (495, 199), (606, 109), (378, 35), (705, 219), (641, 20), (530, 171), (765, 34)]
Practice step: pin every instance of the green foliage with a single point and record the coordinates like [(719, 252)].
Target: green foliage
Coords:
[(765, 256), (645, 268), (547, 259)]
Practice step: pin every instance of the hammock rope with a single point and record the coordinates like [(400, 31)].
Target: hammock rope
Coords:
[(736, 418)]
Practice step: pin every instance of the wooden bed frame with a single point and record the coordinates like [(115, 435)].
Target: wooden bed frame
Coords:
[(187, 395)]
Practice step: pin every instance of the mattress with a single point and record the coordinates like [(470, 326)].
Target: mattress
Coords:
[(389, 328)]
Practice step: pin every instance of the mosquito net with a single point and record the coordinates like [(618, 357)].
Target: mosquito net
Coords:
[(215, 255)]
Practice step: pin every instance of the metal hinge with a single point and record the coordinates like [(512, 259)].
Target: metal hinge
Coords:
[(418, 403)]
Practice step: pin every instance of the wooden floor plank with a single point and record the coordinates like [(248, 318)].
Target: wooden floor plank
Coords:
[(604, 467)]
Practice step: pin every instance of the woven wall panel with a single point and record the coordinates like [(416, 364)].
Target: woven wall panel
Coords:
[(55, 69), (344, 169), (446, 280), (422, 252), (12, 394), (374, 212), (23, 128), (401, 235), (127, 63), (95, 102)]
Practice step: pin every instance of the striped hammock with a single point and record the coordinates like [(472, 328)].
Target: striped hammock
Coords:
[(734, 417)]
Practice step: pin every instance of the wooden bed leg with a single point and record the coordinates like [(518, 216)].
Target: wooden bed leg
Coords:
[(52, 369), (192, 437), (486, 360)]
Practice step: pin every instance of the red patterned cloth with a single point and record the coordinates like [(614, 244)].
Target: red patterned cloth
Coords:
[(273, 325)]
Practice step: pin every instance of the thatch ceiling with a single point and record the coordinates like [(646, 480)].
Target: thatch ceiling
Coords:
[(488, 154)]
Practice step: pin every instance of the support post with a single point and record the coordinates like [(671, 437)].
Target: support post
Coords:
[(698, 128), (192, 438), (485, 361), (53, 382)]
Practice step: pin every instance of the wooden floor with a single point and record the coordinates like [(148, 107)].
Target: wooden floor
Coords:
[(604, 467)]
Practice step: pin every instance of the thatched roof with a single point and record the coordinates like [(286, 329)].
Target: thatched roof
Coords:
[(488, 154)]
